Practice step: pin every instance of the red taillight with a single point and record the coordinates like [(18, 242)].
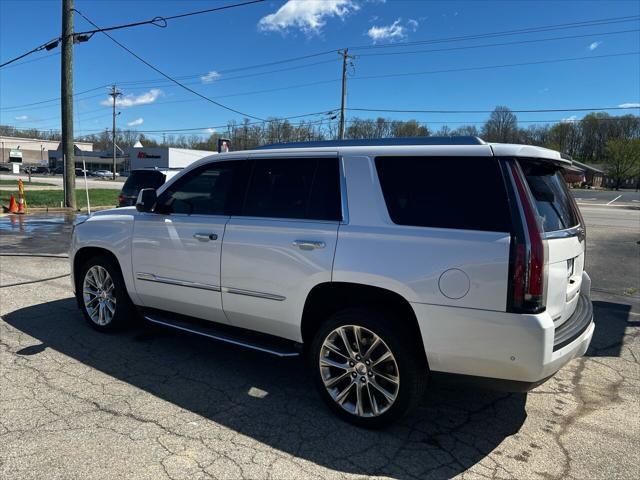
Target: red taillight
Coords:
[(529, 259), (121, 198)]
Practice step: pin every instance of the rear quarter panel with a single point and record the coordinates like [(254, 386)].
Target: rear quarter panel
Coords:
[(411, 260)]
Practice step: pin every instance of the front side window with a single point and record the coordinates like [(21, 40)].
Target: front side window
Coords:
[(303, 188), (209, 190), (465, 193)]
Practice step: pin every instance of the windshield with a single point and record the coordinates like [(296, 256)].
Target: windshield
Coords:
[(142, 179), (553, 199)]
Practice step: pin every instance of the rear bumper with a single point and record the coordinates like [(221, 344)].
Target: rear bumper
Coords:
[(526, 349)]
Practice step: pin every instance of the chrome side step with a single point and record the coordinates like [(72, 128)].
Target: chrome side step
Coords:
[(241, 338)]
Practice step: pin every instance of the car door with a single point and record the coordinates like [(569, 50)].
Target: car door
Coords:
[(282, 243), (176, 249)]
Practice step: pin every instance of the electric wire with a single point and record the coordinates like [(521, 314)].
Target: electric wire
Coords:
[(204, 97)]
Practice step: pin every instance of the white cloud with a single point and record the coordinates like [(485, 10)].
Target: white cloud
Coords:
[(413, 24), (544, 90), (132, 100), (594, 45), (22, 118), (210, 130), (395, 31), (571, 119), (210, 77), (310, 16), (136, 122), (629, 105)]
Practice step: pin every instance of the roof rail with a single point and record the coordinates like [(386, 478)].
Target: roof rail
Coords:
[(378, 142)]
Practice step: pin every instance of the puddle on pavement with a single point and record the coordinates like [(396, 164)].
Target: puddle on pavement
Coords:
[(40, 223)]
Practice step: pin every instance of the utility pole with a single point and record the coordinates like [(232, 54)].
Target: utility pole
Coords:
[(345, 63), (114, 95), (66, 102)]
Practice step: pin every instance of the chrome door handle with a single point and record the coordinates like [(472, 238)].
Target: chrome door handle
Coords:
[(308, 244), (205, 237)]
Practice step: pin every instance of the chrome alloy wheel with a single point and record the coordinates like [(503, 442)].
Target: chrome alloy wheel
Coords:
[(359, 371), (98, 295)]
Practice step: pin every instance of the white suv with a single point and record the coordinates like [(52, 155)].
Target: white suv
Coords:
[(382, 260)]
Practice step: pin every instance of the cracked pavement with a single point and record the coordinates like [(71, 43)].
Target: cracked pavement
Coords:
[(152, 403)]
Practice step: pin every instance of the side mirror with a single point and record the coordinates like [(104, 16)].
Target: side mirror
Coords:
[(147, 199)]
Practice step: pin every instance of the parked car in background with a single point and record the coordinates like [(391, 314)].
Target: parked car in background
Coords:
[(58, 171), (5, 168), (104, 174), (143, 178), (360, 256)]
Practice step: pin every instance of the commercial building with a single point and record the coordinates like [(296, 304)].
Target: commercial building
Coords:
[(34, 151), (164, 157)]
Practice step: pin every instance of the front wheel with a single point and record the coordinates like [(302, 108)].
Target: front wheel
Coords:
[(368, 368), (102, 295)]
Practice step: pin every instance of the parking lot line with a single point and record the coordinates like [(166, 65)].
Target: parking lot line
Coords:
[(614, 200)]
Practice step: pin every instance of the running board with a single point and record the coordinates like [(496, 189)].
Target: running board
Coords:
[(223, 333)]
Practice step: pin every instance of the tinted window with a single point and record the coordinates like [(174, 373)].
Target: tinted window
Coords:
[(552, 197), (142, 179), (209, 190), (294, 188), (445, 192)]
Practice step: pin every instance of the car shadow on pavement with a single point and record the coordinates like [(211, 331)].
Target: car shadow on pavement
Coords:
[(612, 320), (272, 400)]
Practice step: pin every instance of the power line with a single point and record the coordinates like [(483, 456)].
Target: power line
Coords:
[(156, 21), (154, 81), (546, 28), (486, 45), (488, 67), (204, 97), (45, 46), (56, 99), (33, 60), (539, 110)]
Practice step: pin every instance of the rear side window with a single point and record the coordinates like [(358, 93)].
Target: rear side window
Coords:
[(553, 199), (445, 192), (304, 188), (142, 179)]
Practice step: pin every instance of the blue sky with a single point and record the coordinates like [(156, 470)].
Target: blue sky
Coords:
[(207, 48)]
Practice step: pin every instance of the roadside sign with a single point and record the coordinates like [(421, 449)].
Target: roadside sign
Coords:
[(15, 156)]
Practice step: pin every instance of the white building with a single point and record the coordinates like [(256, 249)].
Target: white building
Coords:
[(164, 157)]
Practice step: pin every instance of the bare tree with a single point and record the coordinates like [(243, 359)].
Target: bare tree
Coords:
[(502, 126)]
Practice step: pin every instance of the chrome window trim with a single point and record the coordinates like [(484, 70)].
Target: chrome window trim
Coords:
[(150, 277), (252, 293), (566, 233), (344, 203)]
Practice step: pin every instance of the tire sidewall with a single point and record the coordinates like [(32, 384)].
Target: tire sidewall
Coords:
[(413, 371), (123, 303)]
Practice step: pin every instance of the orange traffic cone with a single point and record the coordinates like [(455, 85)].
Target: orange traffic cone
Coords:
[(13, 207)]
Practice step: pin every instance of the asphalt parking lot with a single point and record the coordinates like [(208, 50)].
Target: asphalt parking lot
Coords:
[(154, 404), (616, 198)]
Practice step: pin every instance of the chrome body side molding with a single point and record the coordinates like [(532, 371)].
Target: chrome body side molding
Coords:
[(150, 277), (251, 293)]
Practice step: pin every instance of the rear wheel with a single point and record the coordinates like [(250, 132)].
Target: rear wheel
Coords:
[(102, 295), (367, 371)]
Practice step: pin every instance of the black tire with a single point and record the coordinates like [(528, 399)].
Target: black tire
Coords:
[(125, 312), (407, 351)]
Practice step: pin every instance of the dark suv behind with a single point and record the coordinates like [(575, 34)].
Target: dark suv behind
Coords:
[(139, 179)]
